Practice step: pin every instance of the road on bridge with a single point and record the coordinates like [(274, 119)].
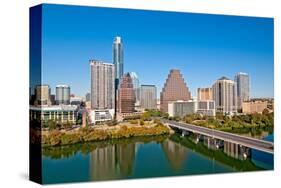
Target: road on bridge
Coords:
[(261, 145)]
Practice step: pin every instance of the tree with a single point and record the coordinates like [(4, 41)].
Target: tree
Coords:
[(67, 125), (165, 115), (157, 121), (188, 119), (52, 124), (146, 116), (265, 111)]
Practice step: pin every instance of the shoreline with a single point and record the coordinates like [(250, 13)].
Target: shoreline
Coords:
[(91, 134)]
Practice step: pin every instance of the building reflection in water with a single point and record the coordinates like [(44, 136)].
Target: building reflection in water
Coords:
[(175, 153), (112, 162)]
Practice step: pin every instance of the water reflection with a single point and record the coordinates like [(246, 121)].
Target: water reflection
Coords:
[(112, 162), (141, 157), (175, 153)]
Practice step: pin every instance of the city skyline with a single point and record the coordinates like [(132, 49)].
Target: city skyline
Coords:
[(191, 50)]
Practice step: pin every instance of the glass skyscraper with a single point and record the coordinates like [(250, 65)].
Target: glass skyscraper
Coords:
[(242, 88), (118, 59), (136, 85), (62, 94)]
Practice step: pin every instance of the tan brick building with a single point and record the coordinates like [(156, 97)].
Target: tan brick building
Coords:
[(254, 107), (174, 89), (204, 94)]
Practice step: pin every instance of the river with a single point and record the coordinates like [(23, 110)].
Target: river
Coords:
[(142, 157)]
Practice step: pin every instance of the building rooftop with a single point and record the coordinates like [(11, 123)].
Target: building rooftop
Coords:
[(147, 85), (54, 108), (100, 62), (62, 85), (224, 78)]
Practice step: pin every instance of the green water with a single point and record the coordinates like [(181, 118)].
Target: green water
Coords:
[(136, 158)]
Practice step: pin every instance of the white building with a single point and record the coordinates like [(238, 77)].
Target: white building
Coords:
[(58, 113), (224, 95), (182, 108), (206, 108), (76, 100), (98, 116)]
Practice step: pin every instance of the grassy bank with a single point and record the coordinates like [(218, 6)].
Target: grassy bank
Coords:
[(56, 138), (65, 151)]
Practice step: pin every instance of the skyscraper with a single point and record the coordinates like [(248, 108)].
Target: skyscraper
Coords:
[(174, 89), (62, 94), (42, 95), (136, 85), (242, 88), (88, 97), (118, 59), (224, 95), (102, 85), (148, 97), (126, 95)]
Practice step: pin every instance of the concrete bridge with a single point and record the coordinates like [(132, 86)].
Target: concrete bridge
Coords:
[(253, 143)]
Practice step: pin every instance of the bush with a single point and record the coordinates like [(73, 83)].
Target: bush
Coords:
[(133, 121)]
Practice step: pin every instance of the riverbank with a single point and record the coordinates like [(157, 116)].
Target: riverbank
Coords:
[(89, 134)]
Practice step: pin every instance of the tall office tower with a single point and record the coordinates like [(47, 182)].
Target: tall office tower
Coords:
[(102, 85), (174, 89), (204, 94), (148, 99), (42, 95), (136, 85), (88, 97), (224, 95), (62, 94), (126, 95), (242, 88), (118, 59)]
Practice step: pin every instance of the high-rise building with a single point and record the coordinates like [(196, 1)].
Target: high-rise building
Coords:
[(102, 85), (126, 95), (118, 59), (88, 97), (136, 85), (62, 94), (148, 97), (224, 95), (53, 99), (174, 89), (42, 95), (204, 94), (242, 88)]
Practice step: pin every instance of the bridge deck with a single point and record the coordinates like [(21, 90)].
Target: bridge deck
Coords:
[(261, 145)]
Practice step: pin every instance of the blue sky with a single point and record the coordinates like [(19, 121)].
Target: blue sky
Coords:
[(204, 47)]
